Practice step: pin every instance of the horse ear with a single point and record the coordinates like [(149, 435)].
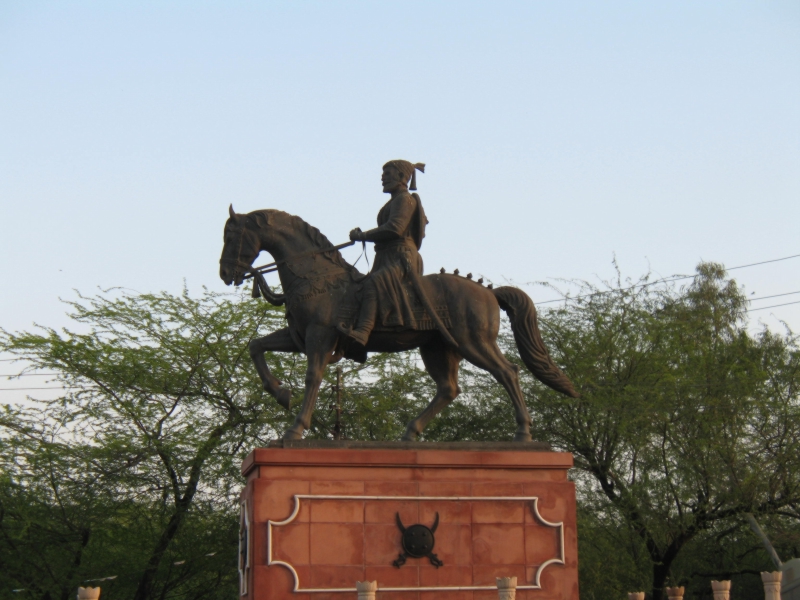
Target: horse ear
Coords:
[(231, 212)]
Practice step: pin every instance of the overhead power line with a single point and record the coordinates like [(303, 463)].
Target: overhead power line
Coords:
[(54, 387), (27, 374), (773, 306), (57, 387), (773, 296), (763, 262), (671, 279)]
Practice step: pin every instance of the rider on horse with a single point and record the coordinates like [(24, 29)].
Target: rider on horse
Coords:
[(386, 296)]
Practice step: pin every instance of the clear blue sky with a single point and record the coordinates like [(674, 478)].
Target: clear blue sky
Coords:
[(557, 136)]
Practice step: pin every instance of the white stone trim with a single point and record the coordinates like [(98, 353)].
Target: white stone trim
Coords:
[(244, 570), (533, 499)]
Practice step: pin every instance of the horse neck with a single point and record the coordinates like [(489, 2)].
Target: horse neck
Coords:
[(298, 256), (283, 248)]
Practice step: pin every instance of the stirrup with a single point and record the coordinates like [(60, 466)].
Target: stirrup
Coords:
[(354, 335)]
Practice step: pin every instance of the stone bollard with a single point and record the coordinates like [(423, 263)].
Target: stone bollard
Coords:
[(635, 595), (772, 584), (675, 593), (88, 593), (722, 590), (366, 589), (507, 588)]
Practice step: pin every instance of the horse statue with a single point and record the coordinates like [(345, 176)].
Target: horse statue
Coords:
[(321, 289)]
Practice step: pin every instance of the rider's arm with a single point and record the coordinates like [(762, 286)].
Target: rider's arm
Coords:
[(401, 211)]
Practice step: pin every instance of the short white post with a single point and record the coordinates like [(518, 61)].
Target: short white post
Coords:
[(635, 595), (507, 588), (772, 584), (366, 589), (88, 593), (675, 593), (721, 589)]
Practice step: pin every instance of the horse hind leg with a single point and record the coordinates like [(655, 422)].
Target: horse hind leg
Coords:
[(277, 341), (441, 362), (485, 354)]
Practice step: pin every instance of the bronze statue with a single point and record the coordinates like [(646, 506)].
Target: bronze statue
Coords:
[(398, 238), (333, 311)]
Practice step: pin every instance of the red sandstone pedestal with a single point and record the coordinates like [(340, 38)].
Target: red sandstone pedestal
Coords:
[(318, 517)]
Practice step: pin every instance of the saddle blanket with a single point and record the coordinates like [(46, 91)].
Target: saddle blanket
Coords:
[(422, 321)]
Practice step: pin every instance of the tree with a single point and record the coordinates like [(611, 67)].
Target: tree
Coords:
[(143, 452), (379, 398), (686, 421)]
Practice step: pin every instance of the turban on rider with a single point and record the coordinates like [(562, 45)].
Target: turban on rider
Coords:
[(407, 169)]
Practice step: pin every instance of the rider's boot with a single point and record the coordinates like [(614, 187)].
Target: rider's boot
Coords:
[(366, 318)]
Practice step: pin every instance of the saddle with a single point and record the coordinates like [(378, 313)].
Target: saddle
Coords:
[(422, 321)]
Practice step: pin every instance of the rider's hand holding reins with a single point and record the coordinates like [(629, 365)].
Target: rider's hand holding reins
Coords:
[(357, 235)]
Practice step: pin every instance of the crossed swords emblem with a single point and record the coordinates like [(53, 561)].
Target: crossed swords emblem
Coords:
[(417, 542)]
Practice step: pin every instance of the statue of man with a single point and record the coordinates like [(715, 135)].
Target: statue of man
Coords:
[(398, 237)]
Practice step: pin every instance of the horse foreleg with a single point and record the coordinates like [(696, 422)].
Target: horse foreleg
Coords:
[(320, 342), (441, 362), (277, 341)]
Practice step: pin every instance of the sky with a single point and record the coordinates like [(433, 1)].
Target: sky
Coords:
[(559, 137)]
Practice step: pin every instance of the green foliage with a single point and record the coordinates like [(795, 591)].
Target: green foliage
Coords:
[(137, 467), (376, 399), (686, 421), (380, 398)]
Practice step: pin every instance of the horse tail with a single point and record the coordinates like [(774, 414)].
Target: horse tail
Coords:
[(524, 324)]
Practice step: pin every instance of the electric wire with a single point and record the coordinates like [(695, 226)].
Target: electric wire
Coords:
[(670, 279), (25, 389), (773, 296), (27, 374), (664, 280), (773, 306)]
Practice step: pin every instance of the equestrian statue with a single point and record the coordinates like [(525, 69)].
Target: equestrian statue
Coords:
[(335, 312)]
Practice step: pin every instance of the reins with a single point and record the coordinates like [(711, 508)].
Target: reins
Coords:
[(260, 287), (273, 266)]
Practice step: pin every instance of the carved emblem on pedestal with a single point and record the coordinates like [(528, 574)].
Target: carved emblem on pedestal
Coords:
[(418, 542)]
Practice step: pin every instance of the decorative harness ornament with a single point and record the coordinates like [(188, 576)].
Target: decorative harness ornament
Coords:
[(418, 542)]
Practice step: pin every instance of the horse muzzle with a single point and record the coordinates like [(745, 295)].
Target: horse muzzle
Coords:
[(231, 274)]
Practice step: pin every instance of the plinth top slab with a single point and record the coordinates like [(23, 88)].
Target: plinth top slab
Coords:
[(510, 455), (465, 446)]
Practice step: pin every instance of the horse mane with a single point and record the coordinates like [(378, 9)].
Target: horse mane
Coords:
[(315, 236)]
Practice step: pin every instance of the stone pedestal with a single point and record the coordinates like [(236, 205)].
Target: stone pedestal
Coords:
[(317, 518)]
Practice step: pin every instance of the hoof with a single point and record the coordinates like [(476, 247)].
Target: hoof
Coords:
[(284, 397), (409, 436), (522, 436), (411, 433), (293, 433)]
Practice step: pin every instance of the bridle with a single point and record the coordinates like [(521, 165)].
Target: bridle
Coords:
[(260, 287), (238, 263)]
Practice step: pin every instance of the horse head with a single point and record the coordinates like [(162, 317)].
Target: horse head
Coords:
[(288, 238), (242, 244)]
